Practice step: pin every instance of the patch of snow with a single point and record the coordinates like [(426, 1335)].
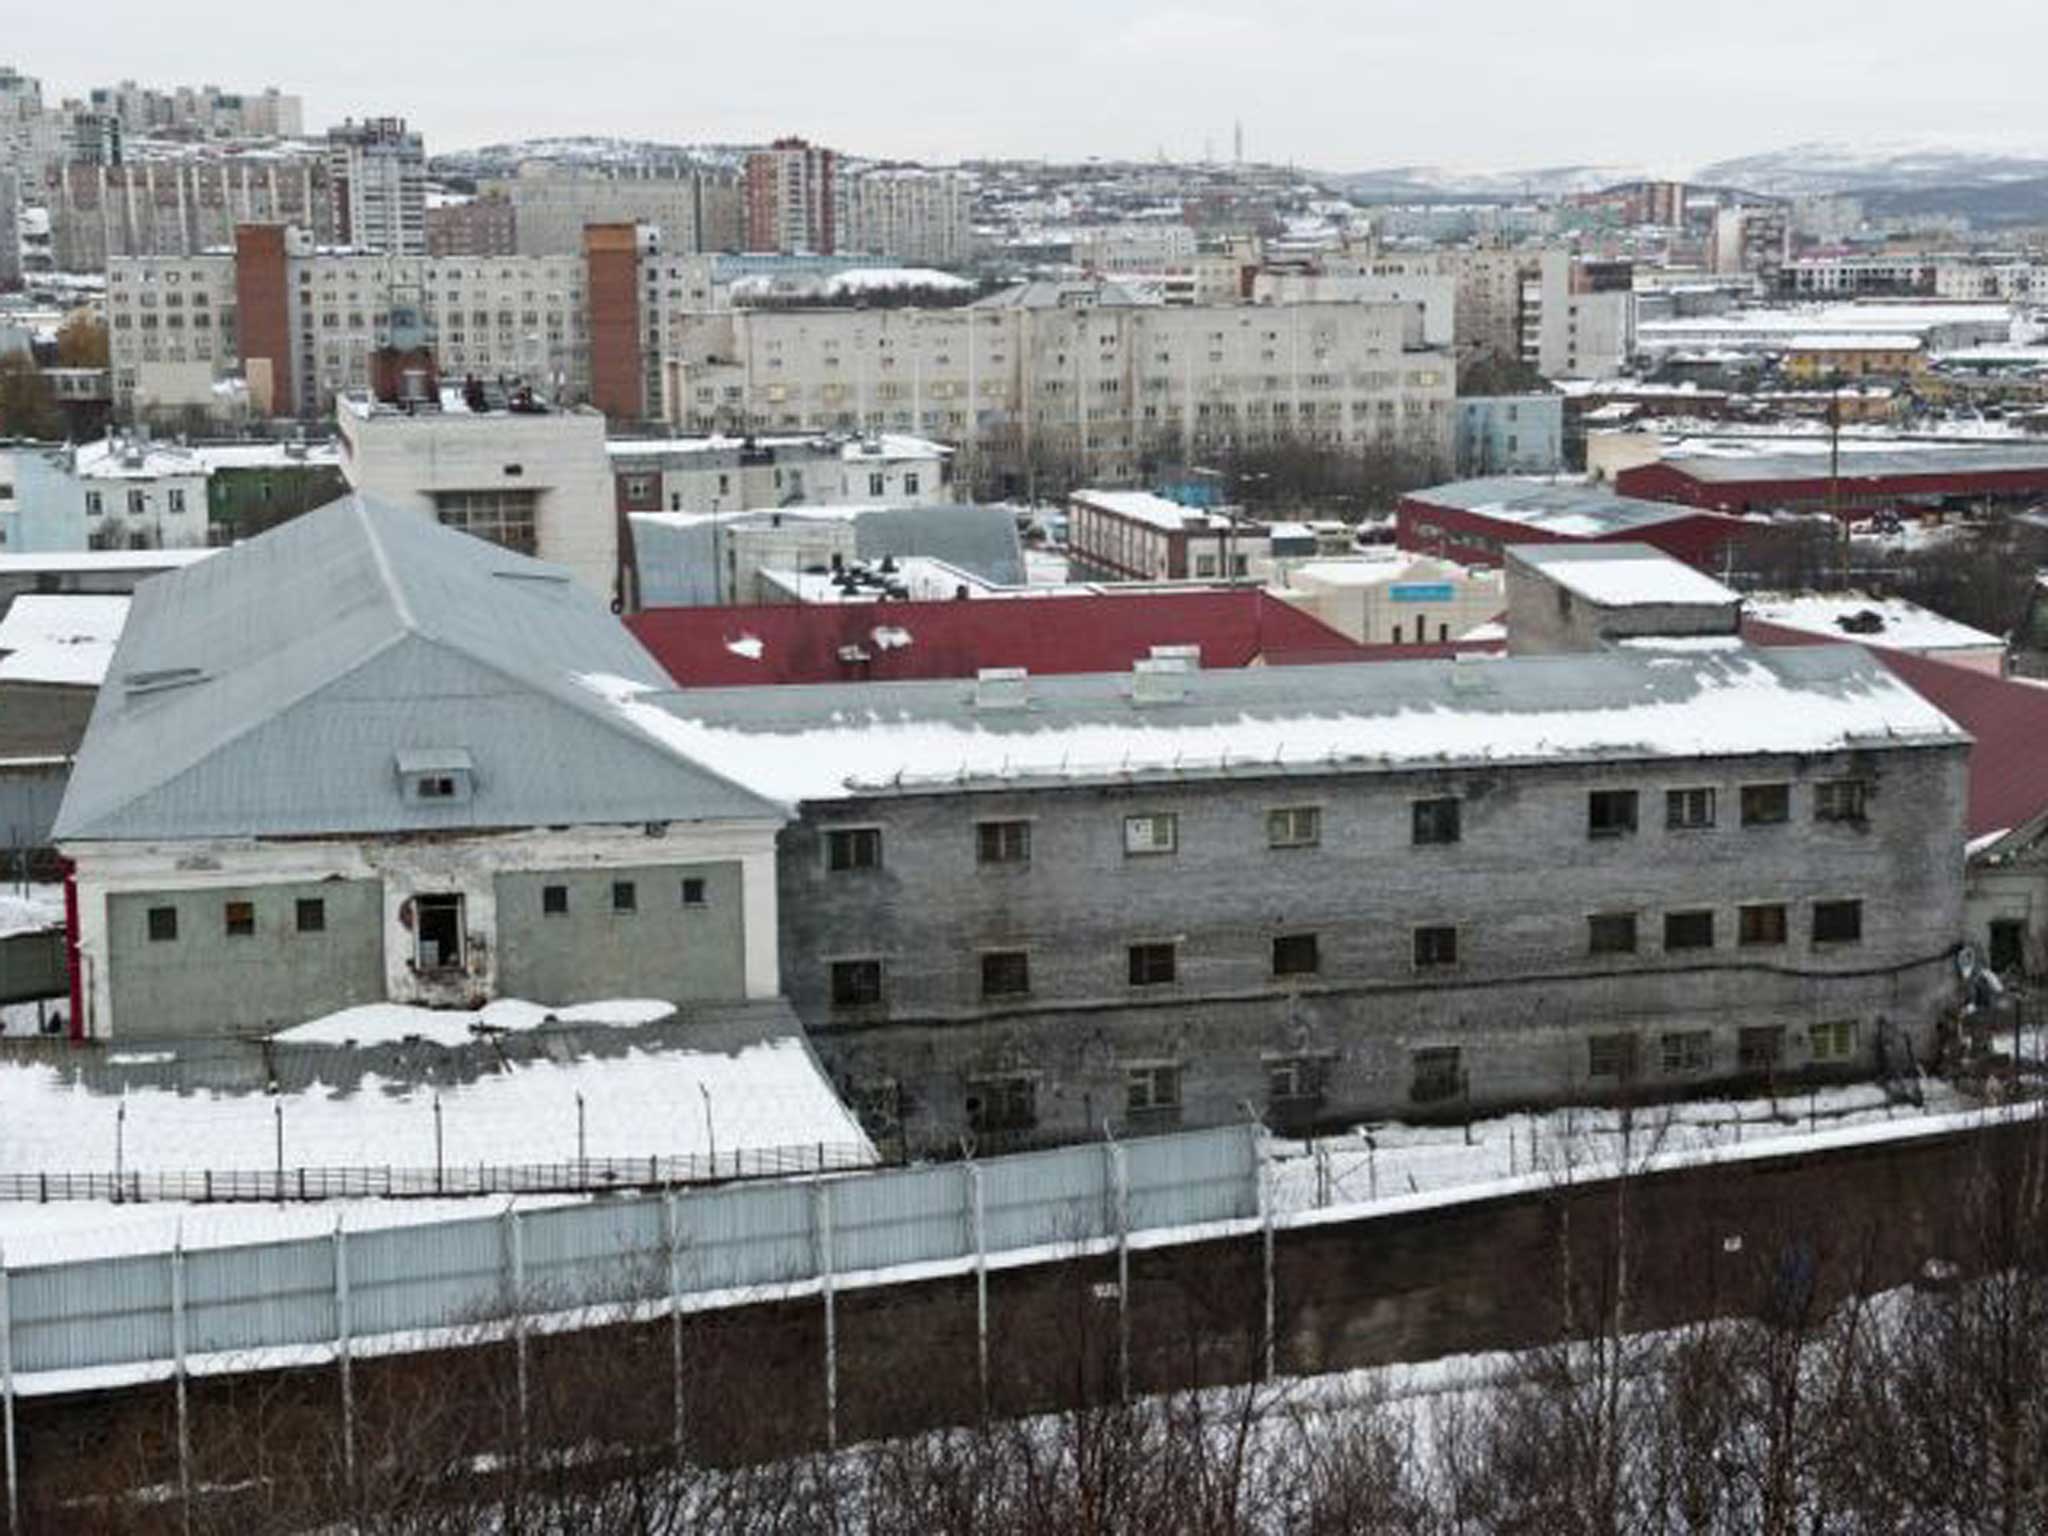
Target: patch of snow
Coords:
[(386, 1023), (1885, 621), (30, 908), (748, 647), (60, 638), (889, 637)]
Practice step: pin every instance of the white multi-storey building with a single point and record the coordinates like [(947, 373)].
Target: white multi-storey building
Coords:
[(910, 215), (1127, 248), (377, 178)]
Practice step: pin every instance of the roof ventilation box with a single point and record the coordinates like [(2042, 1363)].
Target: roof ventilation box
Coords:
[(1002, 688), (1160, 680)]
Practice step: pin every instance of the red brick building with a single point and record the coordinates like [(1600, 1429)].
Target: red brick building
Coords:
[(1905, 480), (1472, 521)]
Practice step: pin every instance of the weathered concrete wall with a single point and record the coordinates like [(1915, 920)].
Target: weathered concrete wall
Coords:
[(1519, 885), (207, 981), (661, 948)]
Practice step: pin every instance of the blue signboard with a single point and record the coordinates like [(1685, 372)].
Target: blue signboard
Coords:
[(1420, 592)]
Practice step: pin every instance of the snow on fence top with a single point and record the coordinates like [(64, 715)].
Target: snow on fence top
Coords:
[(831, 742)]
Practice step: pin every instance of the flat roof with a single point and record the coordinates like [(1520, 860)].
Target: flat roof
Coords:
[(1623, 575), (1567, 508), (1863, 463)]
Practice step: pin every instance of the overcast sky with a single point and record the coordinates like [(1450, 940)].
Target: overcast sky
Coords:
[(1333, 84)]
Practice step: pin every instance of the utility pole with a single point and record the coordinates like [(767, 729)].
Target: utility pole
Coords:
[(1835, 470)]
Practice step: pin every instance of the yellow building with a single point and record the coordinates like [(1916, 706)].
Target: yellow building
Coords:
[(1818, 358)]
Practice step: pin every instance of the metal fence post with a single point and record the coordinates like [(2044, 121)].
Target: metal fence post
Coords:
[(672, 1232), (977, 1223), (178, 1366), (821, 1231), (1120, 1203), (1262, 1145), (344, 1354), (515, 1249), (7, 1397)]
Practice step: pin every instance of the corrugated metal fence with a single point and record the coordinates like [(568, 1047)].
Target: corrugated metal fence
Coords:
[(271, 1303)]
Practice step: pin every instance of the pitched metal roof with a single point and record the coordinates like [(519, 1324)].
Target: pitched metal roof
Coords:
[(1047, 634), (1862, 464), (273, 689), (1581, 510)]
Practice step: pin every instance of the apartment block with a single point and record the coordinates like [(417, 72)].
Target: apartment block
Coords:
[(377, 182), (182, 205), (791, 198), (914, 216)]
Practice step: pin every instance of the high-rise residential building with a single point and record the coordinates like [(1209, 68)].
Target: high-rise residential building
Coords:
[(1578, 317), (377, 181), (907, 214), (10, 229), (182, 205), (96, 138), (473, 226), (552, 205), (205, 111), (791, 198)]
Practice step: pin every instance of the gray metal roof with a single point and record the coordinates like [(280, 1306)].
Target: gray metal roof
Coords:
[(1542, 503), (274, 689), (1859, 463), (677, 569)]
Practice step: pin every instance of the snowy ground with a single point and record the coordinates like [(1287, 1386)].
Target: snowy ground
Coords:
[(24, 908), (1383, 1161)]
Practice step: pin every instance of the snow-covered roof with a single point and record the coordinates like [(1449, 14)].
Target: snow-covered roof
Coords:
[(883, 446), (116, 459), (1568, 508), (1890, 621), (1859, 341), (1144, 507), (1623, 575), (834, 741), (84, 560), (60, 638)]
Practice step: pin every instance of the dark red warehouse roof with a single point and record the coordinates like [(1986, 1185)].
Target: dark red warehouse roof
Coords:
[(804, 642), (2008, 718)]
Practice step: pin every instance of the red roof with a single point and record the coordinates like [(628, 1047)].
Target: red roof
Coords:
[(2008, 718), (803, 642)]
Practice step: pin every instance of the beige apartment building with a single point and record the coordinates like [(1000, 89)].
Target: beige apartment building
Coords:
[(1045, 382)]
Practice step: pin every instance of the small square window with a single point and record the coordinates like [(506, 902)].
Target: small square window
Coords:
[(1437, 946), (1611, 933), (1763, 923), (625, 896), (1766, 805), (1295, 827), (856, 982), (1296, 954), (1008, 1103), (850, 848), (1837, 922), (1152, 965), (1005, 973), (1611, 813), (437, 786), (694, 891), (1439, 1074), (554, 900), (311, 914), (1438, 821), (240, 918), (1002, 842), (1612, 1056), (1760, 1047), (1150, 834), (1688, 1053), (1842, 800), (1152, 1089), (1295, 1080), (1834, 1041), (163, 925), (1689, 930), (1688, 809)]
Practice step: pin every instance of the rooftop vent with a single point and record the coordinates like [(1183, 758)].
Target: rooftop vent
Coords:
[(1190, 656), (1002, 688), (1159, 680)]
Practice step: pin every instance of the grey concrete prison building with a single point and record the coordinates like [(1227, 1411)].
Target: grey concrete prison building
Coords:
[(351, 761), (1039, 904)]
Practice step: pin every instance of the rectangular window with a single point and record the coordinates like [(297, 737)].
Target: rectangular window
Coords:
[(1437, 821), (1436, 946), (1296, 954), (1003, 842), (1438, 1074), (1613, 1056), (1766, 805), (1760, 1047), (625, 897), (240, 918), (850, 848), (311, 914), (1688, 809), (1296, 1080), (1611, 813), (1611, 933), (504, 517), (1687, 1053), (163, 925), (554, 900), (1005, 973), (1152, 965), (1842, 800), (694, 891), (1834, 1041), (1763, 923), (855, 982), (1837, 922), (1155, 833), (1296, 827), (1689, 930), (1152, 1088), (1007, 1103)]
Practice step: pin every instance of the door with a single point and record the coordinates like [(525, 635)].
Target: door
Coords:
[(437, 932)]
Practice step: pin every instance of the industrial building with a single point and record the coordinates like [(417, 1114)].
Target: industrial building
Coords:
[(1912, 481), (1474, 521)]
